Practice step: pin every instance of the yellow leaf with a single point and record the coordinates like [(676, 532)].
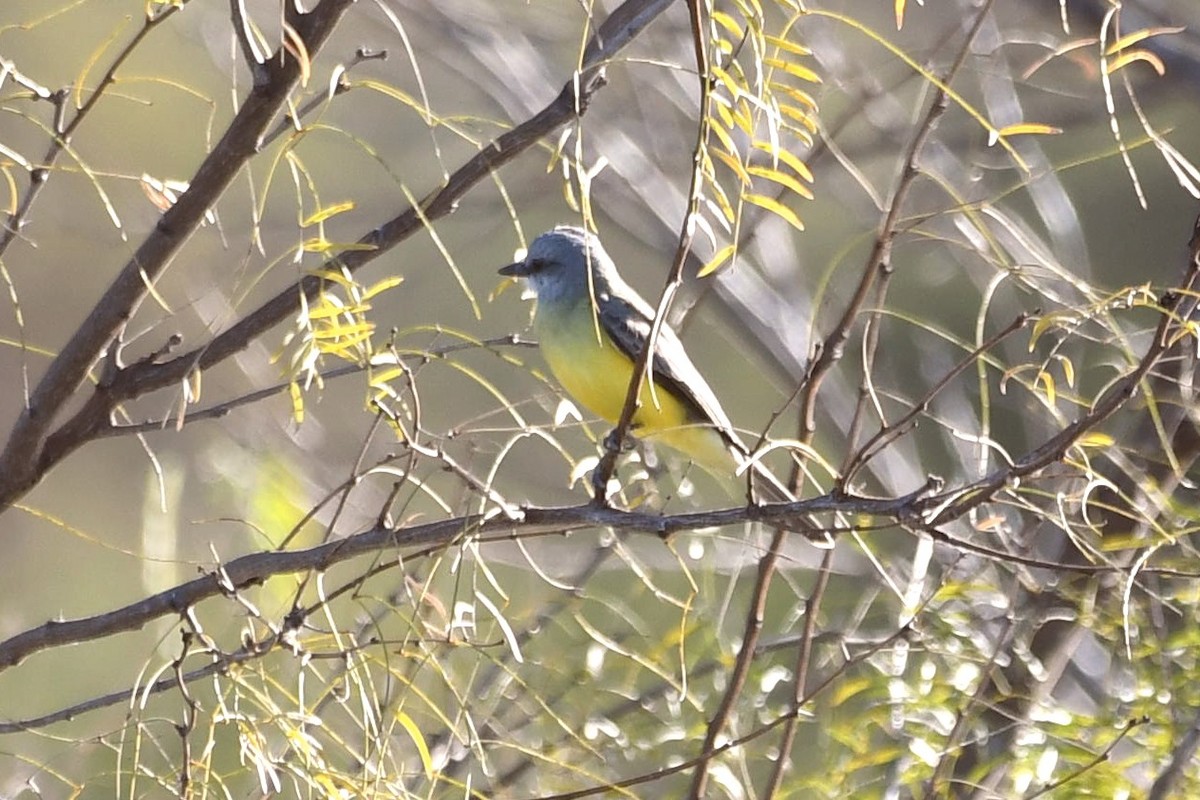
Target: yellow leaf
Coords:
[(722, 202), (418, 739), (333, 276), (899, 7), (329, 310), (1047, 382), (344, 331), (383, 377), (1068, 369), (382, 286), (783, 179), (789, 158), (800, 96), (568, 190), (1125, 59), (327, 783), (1188, 329), (297, 402), (784, 44), (1095, 439), (1024, 128), (717, 261), (734, 164), (725, 79), (1117, 542), (741, 115), (793, 69), (728, 23), (726, 140), (324, 246), (775, 207), (803, 117), (320, 215), (721, 105), (1133, 38), (1044, 322)]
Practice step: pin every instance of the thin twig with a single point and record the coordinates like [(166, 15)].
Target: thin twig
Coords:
[(41, 173), (800, 683), (879, 260), (643, 368), (890, 432), (755, 615), (1166, 336), (733, 744)]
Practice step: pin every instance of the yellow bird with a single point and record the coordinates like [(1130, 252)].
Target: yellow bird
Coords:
[(592, 326)]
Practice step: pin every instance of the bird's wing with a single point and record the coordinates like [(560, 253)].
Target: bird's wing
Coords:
[(628, 320), (628, 323)]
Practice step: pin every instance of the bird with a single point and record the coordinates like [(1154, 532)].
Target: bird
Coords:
[(592, 327)]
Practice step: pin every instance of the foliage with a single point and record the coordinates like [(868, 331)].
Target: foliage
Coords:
[(335, 537)]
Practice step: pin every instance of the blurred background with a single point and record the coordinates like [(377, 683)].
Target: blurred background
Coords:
[(624, 639)]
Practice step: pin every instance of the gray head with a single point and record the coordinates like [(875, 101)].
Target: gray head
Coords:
[(557, 262)]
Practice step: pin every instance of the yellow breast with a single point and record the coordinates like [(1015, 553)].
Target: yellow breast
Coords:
[(596, 373)]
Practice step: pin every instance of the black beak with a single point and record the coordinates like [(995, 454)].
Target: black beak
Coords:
[(517, 270)]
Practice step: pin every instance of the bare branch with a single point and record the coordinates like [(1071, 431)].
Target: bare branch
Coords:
[(255, 568)]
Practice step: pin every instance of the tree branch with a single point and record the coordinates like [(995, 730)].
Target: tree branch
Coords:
[(25, 460), (255, 568), (28, 454)]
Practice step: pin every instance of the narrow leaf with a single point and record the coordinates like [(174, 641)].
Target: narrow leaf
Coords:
[(789, 158), (783, 179), (322, 214), (418, 738), (1127, 58), (775, 207), (734, 165), (1130, 39), (793, 69), (1036, 128), (717, 261), (789, 46), (1047, 381)]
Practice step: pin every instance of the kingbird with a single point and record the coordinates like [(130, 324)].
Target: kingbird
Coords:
[(592, 327)]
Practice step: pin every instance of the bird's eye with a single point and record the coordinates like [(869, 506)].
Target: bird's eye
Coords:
[(535, 265)]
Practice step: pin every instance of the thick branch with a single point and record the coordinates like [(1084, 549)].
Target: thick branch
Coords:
[(255, 568)]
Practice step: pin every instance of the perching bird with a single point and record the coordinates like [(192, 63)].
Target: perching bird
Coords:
[(592, 326)]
